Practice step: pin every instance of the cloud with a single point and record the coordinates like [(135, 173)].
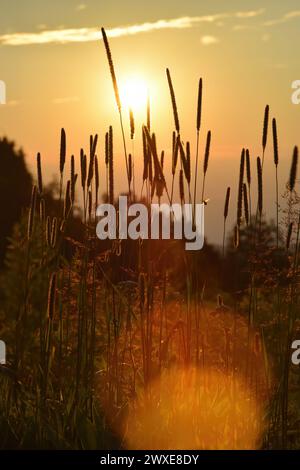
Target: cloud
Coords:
[(51, 37), (71, 35), (208, 40), (286, 17), (250, 14), (292, 14)]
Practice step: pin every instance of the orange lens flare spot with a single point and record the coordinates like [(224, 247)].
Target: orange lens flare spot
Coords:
[(195, 409)]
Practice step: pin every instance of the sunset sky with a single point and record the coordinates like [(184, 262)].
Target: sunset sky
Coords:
[(55, 69)]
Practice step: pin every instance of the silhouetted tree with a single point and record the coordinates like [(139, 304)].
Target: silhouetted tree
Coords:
[(15, 189), (256, 254)]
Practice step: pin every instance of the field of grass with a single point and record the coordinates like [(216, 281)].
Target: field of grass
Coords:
[(141, 344)]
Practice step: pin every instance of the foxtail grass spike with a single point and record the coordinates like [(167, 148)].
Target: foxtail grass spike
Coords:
[(53, 236), (31, 213), (248, 167), (173, 99), (131, 119), (145, 155), (62, 159), (67, 201), (173, 142), (207, 150), (293, 172), (275, 142), (73, 184), (42, 210), (159, 185), (155, 156), (106, 148), (91, 170), (188, 163), (246, 205), (72, 179), (151, 141), (240, 189), (83, 168), (53, 233), (226, 205), (259, 185), (96, 176), (181, 186), (90, 200), (150, 166), (111, 68), (111, 166), (162, 159), (39, 173), (93, 145), (265, 128), (183, 159), (175, 155), (199, 106), (72, 168), (51, 297), (130, 167)]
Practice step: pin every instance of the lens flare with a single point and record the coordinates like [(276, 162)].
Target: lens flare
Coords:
[(195, 409), (210, 392)]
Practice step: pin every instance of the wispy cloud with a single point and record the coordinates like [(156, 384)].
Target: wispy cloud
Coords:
[(208, 40), (71, 35), (250, 14), (50, 36), (286, 17)]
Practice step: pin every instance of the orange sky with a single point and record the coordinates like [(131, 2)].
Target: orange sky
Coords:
[(245, 52)]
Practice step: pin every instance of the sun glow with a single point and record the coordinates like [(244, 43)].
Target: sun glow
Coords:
[(195, 409), (134, 94)]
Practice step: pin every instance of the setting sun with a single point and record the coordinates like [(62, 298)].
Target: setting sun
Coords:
[(134, 93)]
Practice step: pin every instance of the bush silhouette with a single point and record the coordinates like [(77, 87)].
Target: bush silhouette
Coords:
[(15, 189)]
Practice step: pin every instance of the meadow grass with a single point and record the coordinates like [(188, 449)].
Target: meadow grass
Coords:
[(100, 333)]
